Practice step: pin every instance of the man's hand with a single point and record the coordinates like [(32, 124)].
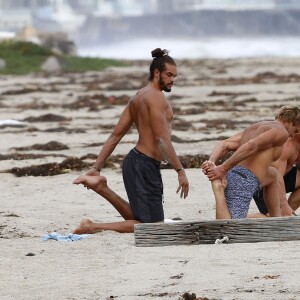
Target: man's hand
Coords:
[(216, 172), (183, 186), (286, 210), (206, 166), (90, 172)]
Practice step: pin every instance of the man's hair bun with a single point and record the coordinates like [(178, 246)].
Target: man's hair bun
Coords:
[(159, 61), (159, 53)]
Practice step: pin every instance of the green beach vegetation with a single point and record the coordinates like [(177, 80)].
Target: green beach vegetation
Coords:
[(26, 57)]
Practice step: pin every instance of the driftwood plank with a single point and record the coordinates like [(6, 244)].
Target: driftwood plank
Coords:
[(208, 232)]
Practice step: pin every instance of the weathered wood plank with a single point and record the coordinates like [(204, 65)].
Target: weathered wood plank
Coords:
[(207, 232)]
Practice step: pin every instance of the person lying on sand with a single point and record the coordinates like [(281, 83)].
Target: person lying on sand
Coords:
[(288, 167), (151, 113), (250, 167)]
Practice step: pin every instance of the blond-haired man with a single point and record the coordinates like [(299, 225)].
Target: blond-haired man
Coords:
[(249, 168)]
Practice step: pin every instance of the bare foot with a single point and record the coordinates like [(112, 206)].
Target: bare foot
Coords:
[(86, 226), (96, 183), (99, 185)]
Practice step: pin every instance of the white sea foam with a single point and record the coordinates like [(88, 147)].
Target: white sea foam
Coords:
[(11, 123), (199, 48)]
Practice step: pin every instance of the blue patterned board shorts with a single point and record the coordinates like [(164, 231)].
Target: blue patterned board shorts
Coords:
[(241, 185)]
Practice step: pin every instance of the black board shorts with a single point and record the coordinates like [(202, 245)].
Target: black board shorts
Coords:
[(144, 186), (289, 182)]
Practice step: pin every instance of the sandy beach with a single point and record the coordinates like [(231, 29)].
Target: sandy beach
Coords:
[(64, 120)]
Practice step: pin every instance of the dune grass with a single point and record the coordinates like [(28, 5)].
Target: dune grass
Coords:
[(25, 57)]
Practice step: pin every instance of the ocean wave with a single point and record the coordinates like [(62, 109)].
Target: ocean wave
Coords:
[(200, 48)]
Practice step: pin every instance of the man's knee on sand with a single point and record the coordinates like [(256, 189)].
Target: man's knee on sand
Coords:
[(217, 185), (149, 209), (218, 188)]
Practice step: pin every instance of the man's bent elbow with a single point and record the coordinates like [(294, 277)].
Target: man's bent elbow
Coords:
[(252, 146)]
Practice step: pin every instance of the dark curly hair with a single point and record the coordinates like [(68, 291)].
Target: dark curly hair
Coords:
[(161, 57)]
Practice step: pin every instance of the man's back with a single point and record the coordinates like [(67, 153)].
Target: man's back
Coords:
[(268, 138)]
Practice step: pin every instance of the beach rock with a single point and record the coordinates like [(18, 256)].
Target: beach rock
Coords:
[(2, 64), (51, 65)]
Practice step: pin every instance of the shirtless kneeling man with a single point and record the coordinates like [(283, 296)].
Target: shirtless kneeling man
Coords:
[(249, 168)]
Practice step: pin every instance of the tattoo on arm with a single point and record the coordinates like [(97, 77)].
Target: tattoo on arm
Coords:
[(163, 148)]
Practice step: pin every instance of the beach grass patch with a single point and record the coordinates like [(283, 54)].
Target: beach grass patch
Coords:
[(25, 57), (82, 64)]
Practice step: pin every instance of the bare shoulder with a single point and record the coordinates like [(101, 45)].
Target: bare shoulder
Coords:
[(266, 133), (274, 128), (278, 133), (153, 93), (154, 97)]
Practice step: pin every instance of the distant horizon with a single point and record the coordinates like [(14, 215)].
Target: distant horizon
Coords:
[(182, 48)]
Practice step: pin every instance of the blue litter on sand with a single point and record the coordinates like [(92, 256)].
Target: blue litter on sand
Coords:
[(58, 237)]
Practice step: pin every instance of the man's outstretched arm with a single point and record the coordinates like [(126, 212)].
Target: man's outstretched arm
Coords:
[(221, 149), (270, 138), (119, 131), (281, 164)]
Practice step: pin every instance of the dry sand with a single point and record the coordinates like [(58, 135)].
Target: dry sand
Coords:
[(212, 99)]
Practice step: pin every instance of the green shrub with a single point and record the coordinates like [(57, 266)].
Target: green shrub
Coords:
[(81, 64), (26, 57)]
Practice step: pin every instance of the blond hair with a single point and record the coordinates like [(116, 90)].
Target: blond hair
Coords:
[(289, 113)]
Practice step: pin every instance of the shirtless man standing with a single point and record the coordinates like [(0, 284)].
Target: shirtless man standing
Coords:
[(152, 114), (288, 177), (249, 168)]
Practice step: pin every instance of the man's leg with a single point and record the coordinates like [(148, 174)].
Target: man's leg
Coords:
[(258, 197), (271, 193), (257, 216), (222, 211), (99, 185), (88, 226), (218, 186)]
